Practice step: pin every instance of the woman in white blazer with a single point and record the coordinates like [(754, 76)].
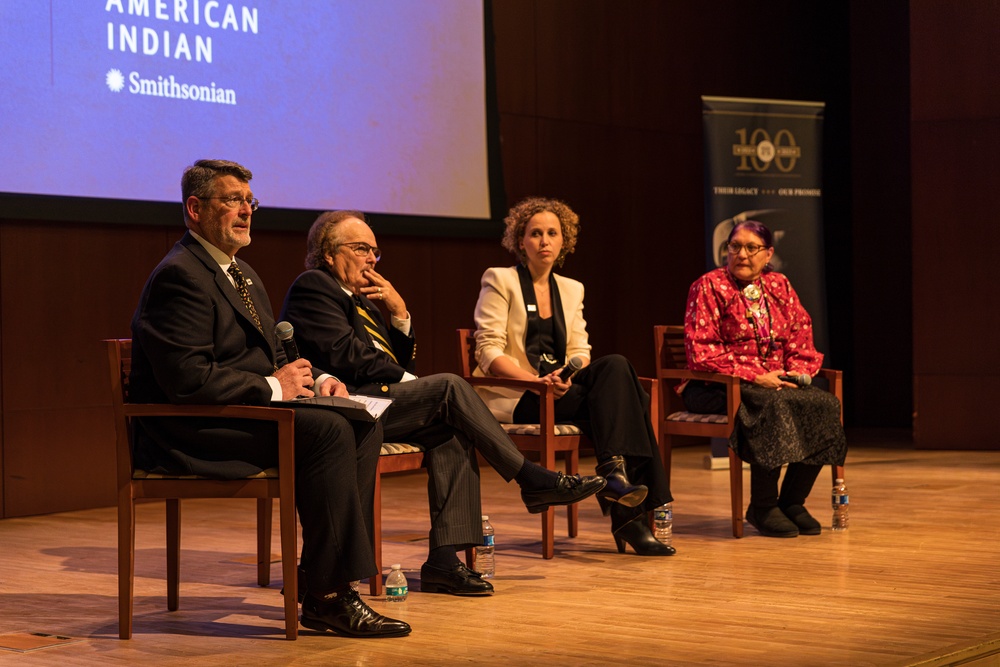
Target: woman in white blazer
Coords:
[(529, 325)]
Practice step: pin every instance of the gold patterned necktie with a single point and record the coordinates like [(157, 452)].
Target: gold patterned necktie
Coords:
[(241, 287), (378, 334)]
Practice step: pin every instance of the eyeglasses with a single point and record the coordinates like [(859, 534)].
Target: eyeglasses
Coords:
[(362, 249), (236, 201), (751, 248)]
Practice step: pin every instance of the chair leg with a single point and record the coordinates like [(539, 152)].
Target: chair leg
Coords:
[(264, 509), (837, 472), (173, 553), (548, 533), (736, 492), (126, 561), (573, 511), (375, 581), (289, 573), (666, 447), (548, 461)]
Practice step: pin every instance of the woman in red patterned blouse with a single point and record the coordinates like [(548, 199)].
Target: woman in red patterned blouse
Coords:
[(746, 320)]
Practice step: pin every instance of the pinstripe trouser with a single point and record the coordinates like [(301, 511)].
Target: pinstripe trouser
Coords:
[(444, 414)]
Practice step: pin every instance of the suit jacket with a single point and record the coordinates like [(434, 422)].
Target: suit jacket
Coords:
[(194, 342), (331, 333), (502, 325)]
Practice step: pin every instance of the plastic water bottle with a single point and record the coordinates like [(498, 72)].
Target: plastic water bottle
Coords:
[(663, 523), (485, 564), (841, 505), (395, 585)]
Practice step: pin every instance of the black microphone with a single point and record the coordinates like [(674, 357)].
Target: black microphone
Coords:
[(801, 380), (570, 369), (284, 332)]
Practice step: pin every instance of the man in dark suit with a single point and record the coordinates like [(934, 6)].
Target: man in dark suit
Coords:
[(203, 333), (339, 327)]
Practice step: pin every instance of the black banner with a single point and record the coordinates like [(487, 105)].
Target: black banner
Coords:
[(763, 161)]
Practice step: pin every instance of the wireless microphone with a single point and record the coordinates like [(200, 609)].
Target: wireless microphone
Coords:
[(284, 332), (570, 369), (801, 380)]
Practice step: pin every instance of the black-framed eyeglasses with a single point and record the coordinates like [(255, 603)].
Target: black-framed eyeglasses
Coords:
[(236, 201), (751, 248), (361, 249)]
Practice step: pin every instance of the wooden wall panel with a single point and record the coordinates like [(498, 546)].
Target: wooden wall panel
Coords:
[(64, 288), (873, 270), (955, 137), (955, 59)]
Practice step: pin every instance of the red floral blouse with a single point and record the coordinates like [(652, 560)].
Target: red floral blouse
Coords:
[(722, 334)]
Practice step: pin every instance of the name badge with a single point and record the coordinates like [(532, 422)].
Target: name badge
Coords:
[(532, 308)]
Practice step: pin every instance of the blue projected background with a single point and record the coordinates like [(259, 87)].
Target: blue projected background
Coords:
[(376, 105)]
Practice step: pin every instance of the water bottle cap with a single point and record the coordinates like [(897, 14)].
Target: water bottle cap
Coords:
[(839, 480), (486, 517), (397, 566)]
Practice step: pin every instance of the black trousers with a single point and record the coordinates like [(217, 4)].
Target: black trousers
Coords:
[(607, 401), (335, 465)]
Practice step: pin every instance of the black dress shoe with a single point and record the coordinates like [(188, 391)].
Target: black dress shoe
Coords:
[(459, 580), (346, 614), (771, 522), (801, 517), (569, 489)]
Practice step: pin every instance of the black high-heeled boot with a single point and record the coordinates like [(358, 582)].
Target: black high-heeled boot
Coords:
[(632, 526), (618, 489)]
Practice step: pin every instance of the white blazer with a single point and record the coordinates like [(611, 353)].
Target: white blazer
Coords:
[(501, 328)]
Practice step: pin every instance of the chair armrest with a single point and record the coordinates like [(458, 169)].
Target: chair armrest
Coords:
[(509, 383), (684, 374), (229, 411)]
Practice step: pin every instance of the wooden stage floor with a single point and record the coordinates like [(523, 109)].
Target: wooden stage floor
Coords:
[(915, 581)]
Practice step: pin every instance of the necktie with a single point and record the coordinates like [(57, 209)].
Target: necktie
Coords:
[(372, 327), (241, 287)]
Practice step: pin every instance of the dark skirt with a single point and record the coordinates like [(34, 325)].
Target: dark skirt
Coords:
[(777, 427)]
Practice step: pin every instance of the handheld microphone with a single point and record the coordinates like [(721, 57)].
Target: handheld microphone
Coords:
[(801, 380), (284, 332), (570, 369)]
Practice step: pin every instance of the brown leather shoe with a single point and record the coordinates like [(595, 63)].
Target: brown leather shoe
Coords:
[(346, 614)]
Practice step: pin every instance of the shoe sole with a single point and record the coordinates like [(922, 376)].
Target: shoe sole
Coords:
[(320, 626), (439, 588)]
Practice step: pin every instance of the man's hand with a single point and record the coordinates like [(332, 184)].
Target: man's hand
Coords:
[(381, 289), (295, 379), (333, 387)]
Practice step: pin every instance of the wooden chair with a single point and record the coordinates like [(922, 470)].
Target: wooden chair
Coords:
[(546, 438), (134, 484), (671, 370)]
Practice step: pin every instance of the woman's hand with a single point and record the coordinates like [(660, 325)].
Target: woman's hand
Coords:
[(560, 387), (771, 381)]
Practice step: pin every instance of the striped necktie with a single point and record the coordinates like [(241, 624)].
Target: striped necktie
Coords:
[(241, 287), (378, 334)]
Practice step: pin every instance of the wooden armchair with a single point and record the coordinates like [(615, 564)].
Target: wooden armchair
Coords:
[(675, 420), (134, 484), (546, 438)]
